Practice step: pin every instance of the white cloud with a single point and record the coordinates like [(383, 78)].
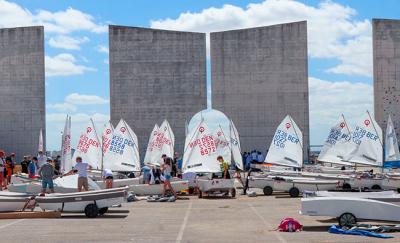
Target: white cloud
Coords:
[(102, 49), (64, 65), (328, 100), (66, 107), (67, 42), (66, 21), (72, 101), (55, 125), (332, 30), (81, 99)]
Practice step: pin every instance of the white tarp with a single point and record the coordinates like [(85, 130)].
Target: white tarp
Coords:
[(200, 153), (89, 147), (235, 146), (367, 138), (391, 146), (338, 144), (66, 153), (148, 158), (122, 154), (287, 145)]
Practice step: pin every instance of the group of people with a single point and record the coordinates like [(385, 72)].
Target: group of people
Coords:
[(161, 174), (252, 157), (30, 165)]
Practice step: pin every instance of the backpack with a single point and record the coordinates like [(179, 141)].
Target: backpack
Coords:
[(290, 225)]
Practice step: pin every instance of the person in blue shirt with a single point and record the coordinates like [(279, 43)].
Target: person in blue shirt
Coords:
[(32, 168)]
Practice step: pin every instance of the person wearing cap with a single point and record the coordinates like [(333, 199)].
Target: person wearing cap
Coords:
[(41, 159), (2, 169), (46, 173)]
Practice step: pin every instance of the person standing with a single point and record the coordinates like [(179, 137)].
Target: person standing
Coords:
[(108, 178), (32, 168), (41, 159), (8, 170), (81, 168), (166, 168), (57, 164), (24, 165), (46, 173)]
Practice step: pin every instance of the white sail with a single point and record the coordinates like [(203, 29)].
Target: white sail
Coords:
[(391, 146), (235, 146), (89, 147), (122, 154), (200, 153), (338, 144), (106, 137), (148, 158), (66, 159), (287, 145), (222, 144), (41, 143), (367, 138), (166, 140)]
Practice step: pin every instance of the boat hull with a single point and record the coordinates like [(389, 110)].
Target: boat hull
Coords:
[(157, 189)]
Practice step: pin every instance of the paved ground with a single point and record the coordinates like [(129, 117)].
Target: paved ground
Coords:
[(190, 219)]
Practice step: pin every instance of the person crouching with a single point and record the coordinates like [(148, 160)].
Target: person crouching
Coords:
[(108, 178)]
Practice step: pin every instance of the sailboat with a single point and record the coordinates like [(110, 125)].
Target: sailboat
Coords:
[(41, 143), (235, 146), (89, 147), (286, 149), (122, 153), (202, 148), (66, 153), (161, 141), (148, 158), (392, 153)]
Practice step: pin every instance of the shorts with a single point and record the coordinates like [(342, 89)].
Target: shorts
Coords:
[(47, 183), (109, 178), (167, 177), (83, 182)]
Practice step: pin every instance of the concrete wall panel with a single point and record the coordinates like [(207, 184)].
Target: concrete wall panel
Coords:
[(258, 76)]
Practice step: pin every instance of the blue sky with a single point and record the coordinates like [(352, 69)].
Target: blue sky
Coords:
[(76, 48)]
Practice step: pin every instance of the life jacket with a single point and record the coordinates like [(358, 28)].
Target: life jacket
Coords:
[(289, 225)]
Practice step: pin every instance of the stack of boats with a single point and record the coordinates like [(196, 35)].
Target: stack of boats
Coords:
[(361, 147)]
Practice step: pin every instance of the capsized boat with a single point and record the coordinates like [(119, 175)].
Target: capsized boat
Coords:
[(349, 210), (92, 203)]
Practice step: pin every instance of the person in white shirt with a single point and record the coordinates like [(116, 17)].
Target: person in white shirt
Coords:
[(81, 168), (108, 178), (41, 159)]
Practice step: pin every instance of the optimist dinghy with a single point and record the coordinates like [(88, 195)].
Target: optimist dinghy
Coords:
[(349, 210), (92, 203), (286, 149)]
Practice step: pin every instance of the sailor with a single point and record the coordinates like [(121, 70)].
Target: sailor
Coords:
[(32, 168), (2, 164), (108, 178), (224, 167), (24, 165), (46, 173), (81, 168), (155, 175), (166, 168)]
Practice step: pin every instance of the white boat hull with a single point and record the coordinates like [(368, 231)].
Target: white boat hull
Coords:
[(119, 182), (359, 207), (206, 185), (157, 189), (15, 203)]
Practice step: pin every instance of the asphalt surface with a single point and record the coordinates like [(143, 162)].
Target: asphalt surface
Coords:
[(189, 219)]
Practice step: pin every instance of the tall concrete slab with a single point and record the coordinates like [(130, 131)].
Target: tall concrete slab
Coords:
[(156, 75), (386, 54), (259, 75), (22, 89)]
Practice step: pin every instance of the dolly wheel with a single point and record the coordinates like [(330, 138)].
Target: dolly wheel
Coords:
[(233, 192), (347, 219), (294, 192), (91, 210), (346, 187), (103, 210), (268, 191), (200, 194), (376, 187)]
